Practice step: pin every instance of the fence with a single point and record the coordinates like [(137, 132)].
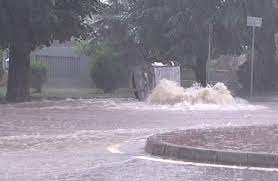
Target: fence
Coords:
[(62, 69)]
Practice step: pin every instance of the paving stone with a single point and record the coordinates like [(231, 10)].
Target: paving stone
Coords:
[(204, 155), (262, 159), (172, 151), (231, 157)]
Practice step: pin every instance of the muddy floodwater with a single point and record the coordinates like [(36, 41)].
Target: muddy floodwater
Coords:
[(103, 140)]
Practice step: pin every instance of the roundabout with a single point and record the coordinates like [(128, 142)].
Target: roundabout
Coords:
[(249, 146)]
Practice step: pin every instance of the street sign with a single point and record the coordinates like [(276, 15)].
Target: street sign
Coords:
[(254, 21)]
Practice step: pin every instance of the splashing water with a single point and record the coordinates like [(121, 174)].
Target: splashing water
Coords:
[(168, 93)]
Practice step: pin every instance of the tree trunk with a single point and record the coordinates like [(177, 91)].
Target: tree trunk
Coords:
[(265, 61), (19, 74), (201, 71), (265, 43)]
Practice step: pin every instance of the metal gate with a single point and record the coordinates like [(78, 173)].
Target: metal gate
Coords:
[(61, 68)]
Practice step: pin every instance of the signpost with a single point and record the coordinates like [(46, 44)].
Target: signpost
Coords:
[(253, 22), (209, 49)]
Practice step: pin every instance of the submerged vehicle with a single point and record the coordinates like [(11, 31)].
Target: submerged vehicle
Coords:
[(145, 78)]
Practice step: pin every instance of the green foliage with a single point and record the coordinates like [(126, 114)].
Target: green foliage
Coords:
[(168, 30), (38, 22), (68, 93), (244, 76), (108, 71), (83, 47), (241, 35), (39, 75), (178, 30), (27, 24)]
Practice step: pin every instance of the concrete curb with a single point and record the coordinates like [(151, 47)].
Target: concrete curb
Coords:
[(157, 147)]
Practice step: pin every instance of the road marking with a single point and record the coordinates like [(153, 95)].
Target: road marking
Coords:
[(115, 149), (205, 164)]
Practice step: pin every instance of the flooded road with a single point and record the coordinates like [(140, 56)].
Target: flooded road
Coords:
[(103, 139)]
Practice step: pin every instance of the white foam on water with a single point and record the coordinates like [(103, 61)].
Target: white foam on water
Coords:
[(142, 106), (87, 134), (216, 97), (168, 93), (115, 149), (169, 96)]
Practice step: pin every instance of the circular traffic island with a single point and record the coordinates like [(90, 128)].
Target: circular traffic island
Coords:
[(249, 146)]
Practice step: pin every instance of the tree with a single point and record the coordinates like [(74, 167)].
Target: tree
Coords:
[(114, 29), (234, 17), (27, 24), (179, 30), (108, 70)]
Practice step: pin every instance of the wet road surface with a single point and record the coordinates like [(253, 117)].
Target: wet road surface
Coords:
[(103, 139)]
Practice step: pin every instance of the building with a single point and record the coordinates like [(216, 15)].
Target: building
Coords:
[(66, 67)]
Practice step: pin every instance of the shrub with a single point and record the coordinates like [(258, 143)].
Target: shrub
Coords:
[(276, 73), (108, 71), (2, 72), (39, 75)]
